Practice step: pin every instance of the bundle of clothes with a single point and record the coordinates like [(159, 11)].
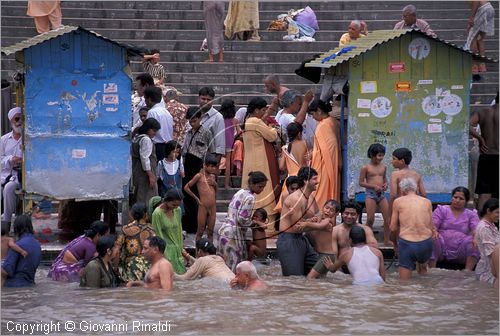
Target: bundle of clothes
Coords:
[(301, 25)]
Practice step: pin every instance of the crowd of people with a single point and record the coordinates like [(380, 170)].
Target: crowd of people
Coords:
[(177, 154)]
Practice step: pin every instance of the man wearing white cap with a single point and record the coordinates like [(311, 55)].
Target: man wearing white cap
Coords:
[(11, 157)]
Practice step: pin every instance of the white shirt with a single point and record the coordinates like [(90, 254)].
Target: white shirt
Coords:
[(9, 147), (138, 103), (309, 126), (145, 151), (169, 167), (160, 113), (240, 114)]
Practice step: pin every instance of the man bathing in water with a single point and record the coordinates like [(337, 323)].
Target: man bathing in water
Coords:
[(411, 224), (340, 233), (295, 252), (161, 273)]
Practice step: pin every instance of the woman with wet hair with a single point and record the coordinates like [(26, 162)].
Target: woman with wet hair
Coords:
[(99, 271), (67, 265), (207, 264), (455, 226), (232, 242)]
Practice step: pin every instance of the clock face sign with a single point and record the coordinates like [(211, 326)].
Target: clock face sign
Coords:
[(381, 107), (419, 48), (431, 106), (451, 104)]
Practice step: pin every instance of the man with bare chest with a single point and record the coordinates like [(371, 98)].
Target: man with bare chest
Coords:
[(160, 274), (340, 233), (487, 169), (295, 252)]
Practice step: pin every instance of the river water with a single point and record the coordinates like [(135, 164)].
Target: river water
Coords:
[(443, 302)]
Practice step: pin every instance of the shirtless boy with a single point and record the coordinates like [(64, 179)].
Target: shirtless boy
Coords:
[(411, 225), (373, 177), (401, 159), (206, 183), (340, 233), (295, 252), (258, 247), (322, 239), (160, 275)]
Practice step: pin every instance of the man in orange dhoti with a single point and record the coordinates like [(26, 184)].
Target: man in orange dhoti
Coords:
[(326, 156), (45, 14)]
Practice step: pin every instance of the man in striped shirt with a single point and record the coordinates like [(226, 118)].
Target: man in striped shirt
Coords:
[(151, 64)]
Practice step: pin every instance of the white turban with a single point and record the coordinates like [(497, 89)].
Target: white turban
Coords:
[(13, 112)]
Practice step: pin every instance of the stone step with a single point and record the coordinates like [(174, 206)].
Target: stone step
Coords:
[(269, 14), (263, 5), (198, 23)]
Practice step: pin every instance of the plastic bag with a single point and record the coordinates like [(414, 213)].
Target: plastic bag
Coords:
[(307, 17)]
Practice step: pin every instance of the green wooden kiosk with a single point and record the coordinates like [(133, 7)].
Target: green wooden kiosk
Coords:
[(406, 89)]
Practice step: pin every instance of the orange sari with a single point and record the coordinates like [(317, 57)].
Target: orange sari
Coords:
[(326, 160)]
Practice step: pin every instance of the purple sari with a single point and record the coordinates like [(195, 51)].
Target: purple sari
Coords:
[(61, 271)]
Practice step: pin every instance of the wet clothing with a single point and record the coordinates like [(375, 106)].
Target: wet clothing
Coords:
[(83, 250), (210, 266), (377, 196), (320, 265), (21, 270), (364, 267), (487, 238), (295, 253), (233, 246), (133, 266), (96, 275), (170, 230), (487, 175), (455, 235), (412, 252)]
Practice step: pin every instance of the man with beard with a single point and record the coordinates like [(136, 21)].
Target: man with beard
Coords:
[(340, 233), (295, 252), (11, 156)]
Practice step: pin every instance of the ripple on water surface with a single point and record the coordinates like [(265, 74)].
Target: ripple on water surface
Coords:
[(444, 302)]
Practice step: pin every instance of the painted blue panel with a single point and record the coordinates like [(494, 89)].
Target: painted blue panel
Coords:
[(82, 167), (73, 104), (434, 198)]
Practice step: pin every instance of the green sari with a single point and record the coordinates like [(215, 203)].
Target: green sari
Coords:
[(170, 230)]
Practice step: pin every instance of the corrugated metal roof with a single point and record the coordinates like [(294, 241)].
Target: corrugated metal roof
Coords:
[(61, 31), (361, 45)]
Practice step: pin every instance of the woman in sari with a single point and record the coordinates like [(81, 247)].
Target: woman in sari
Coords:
[(167, 225), (293, 156), (257, 139), (77, 254), (127, 252), (232, 245), (326, 155)]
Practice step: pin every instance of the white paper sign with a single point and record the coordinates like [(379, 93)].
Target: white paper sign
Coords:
[(364, 103), (425, 82), (369, 87), (434, 128), (457, 87), (434, 120), (78, 153), (363, 115)]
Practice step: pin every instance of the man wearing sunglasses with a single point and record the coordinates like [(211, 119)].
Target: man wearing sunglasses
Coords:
[(11, 158)]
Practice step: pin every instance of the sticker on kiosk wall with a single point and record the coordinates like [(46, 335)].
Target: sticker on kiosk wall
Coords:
[(403, 86), (397, 67)]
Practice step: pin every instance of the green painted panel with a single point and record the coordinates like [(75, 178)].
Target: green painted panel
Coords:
[(370, 64), (436, 134)]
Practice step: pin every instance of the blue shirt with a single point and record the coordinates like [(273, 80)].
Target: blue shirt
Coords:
[(21, 271)]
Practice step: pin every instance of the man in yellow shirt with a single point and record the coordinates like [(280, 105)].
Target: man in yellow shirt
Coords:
[(356, 30)]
